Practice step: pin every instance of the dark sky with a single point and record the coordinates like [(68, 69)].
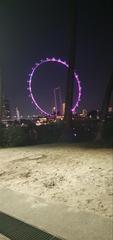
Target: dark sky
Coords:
[(36, 29)]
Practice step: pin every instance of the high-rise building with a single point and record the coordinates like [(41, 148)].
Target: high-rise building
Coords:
[(54, 110), (58, 100), (6, 112), (17, 114), (63, 108)]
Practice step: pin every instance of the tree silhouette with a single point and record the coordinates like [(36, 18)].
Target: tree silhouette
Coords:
[(104, 109)]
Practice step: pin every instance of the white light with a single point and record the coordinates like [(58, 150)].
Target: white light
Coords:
[(75, 134), (59, 60)]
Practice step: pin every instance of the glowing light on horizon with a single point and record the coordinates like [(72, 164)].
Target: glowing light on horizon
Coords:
[(37, 65)]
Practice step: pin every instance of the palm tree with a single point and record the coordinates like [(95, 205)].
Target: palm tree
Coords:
[(67, 133)]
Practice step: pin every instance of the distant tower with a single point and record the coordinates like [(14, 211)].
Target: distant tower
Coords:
[(1, 94), (17, 114), (58, 100)]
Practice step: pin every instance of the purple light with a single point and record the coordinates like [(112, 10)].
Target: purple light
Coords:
[(37, 65)]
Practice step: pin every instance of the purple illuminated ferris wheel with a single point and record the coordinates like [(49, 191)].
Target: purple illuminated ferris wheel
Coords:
[(36, 68)]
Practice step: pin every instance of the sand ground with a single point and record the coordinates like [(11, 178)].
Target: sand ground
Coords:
[(77, 177), (3, 237)]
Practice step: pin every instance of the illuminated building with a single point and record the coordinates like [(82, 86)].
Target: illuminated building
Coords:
[(63, 108), (110, 109), (6, 113), (54, 110)]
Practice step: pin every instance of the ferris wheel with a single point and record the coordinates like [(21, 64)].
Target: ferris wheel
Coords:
[(36, 68)]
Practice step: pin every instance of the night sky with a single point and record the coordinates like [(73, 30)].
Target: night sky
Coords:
[(34, 30)]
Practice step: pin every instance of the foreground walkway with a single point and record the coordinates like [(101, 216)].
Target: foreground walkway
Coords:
[(76, 176), (56, 219)]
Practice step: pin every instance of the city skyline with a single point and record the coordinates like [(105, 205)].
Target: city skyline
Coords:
[(31, 31)]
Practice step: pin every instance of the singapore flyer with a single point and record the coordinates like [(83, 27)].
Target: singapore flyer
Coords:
[(35, 70)]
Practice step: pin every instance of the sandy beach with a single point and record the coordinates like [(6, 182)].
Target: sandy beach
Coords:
[(80, 178)]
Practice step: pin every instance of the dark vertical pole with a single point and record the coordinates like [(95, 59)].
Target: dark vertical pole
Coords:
[(1, 94), (67, 134), (107, 97), (72, 54)]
